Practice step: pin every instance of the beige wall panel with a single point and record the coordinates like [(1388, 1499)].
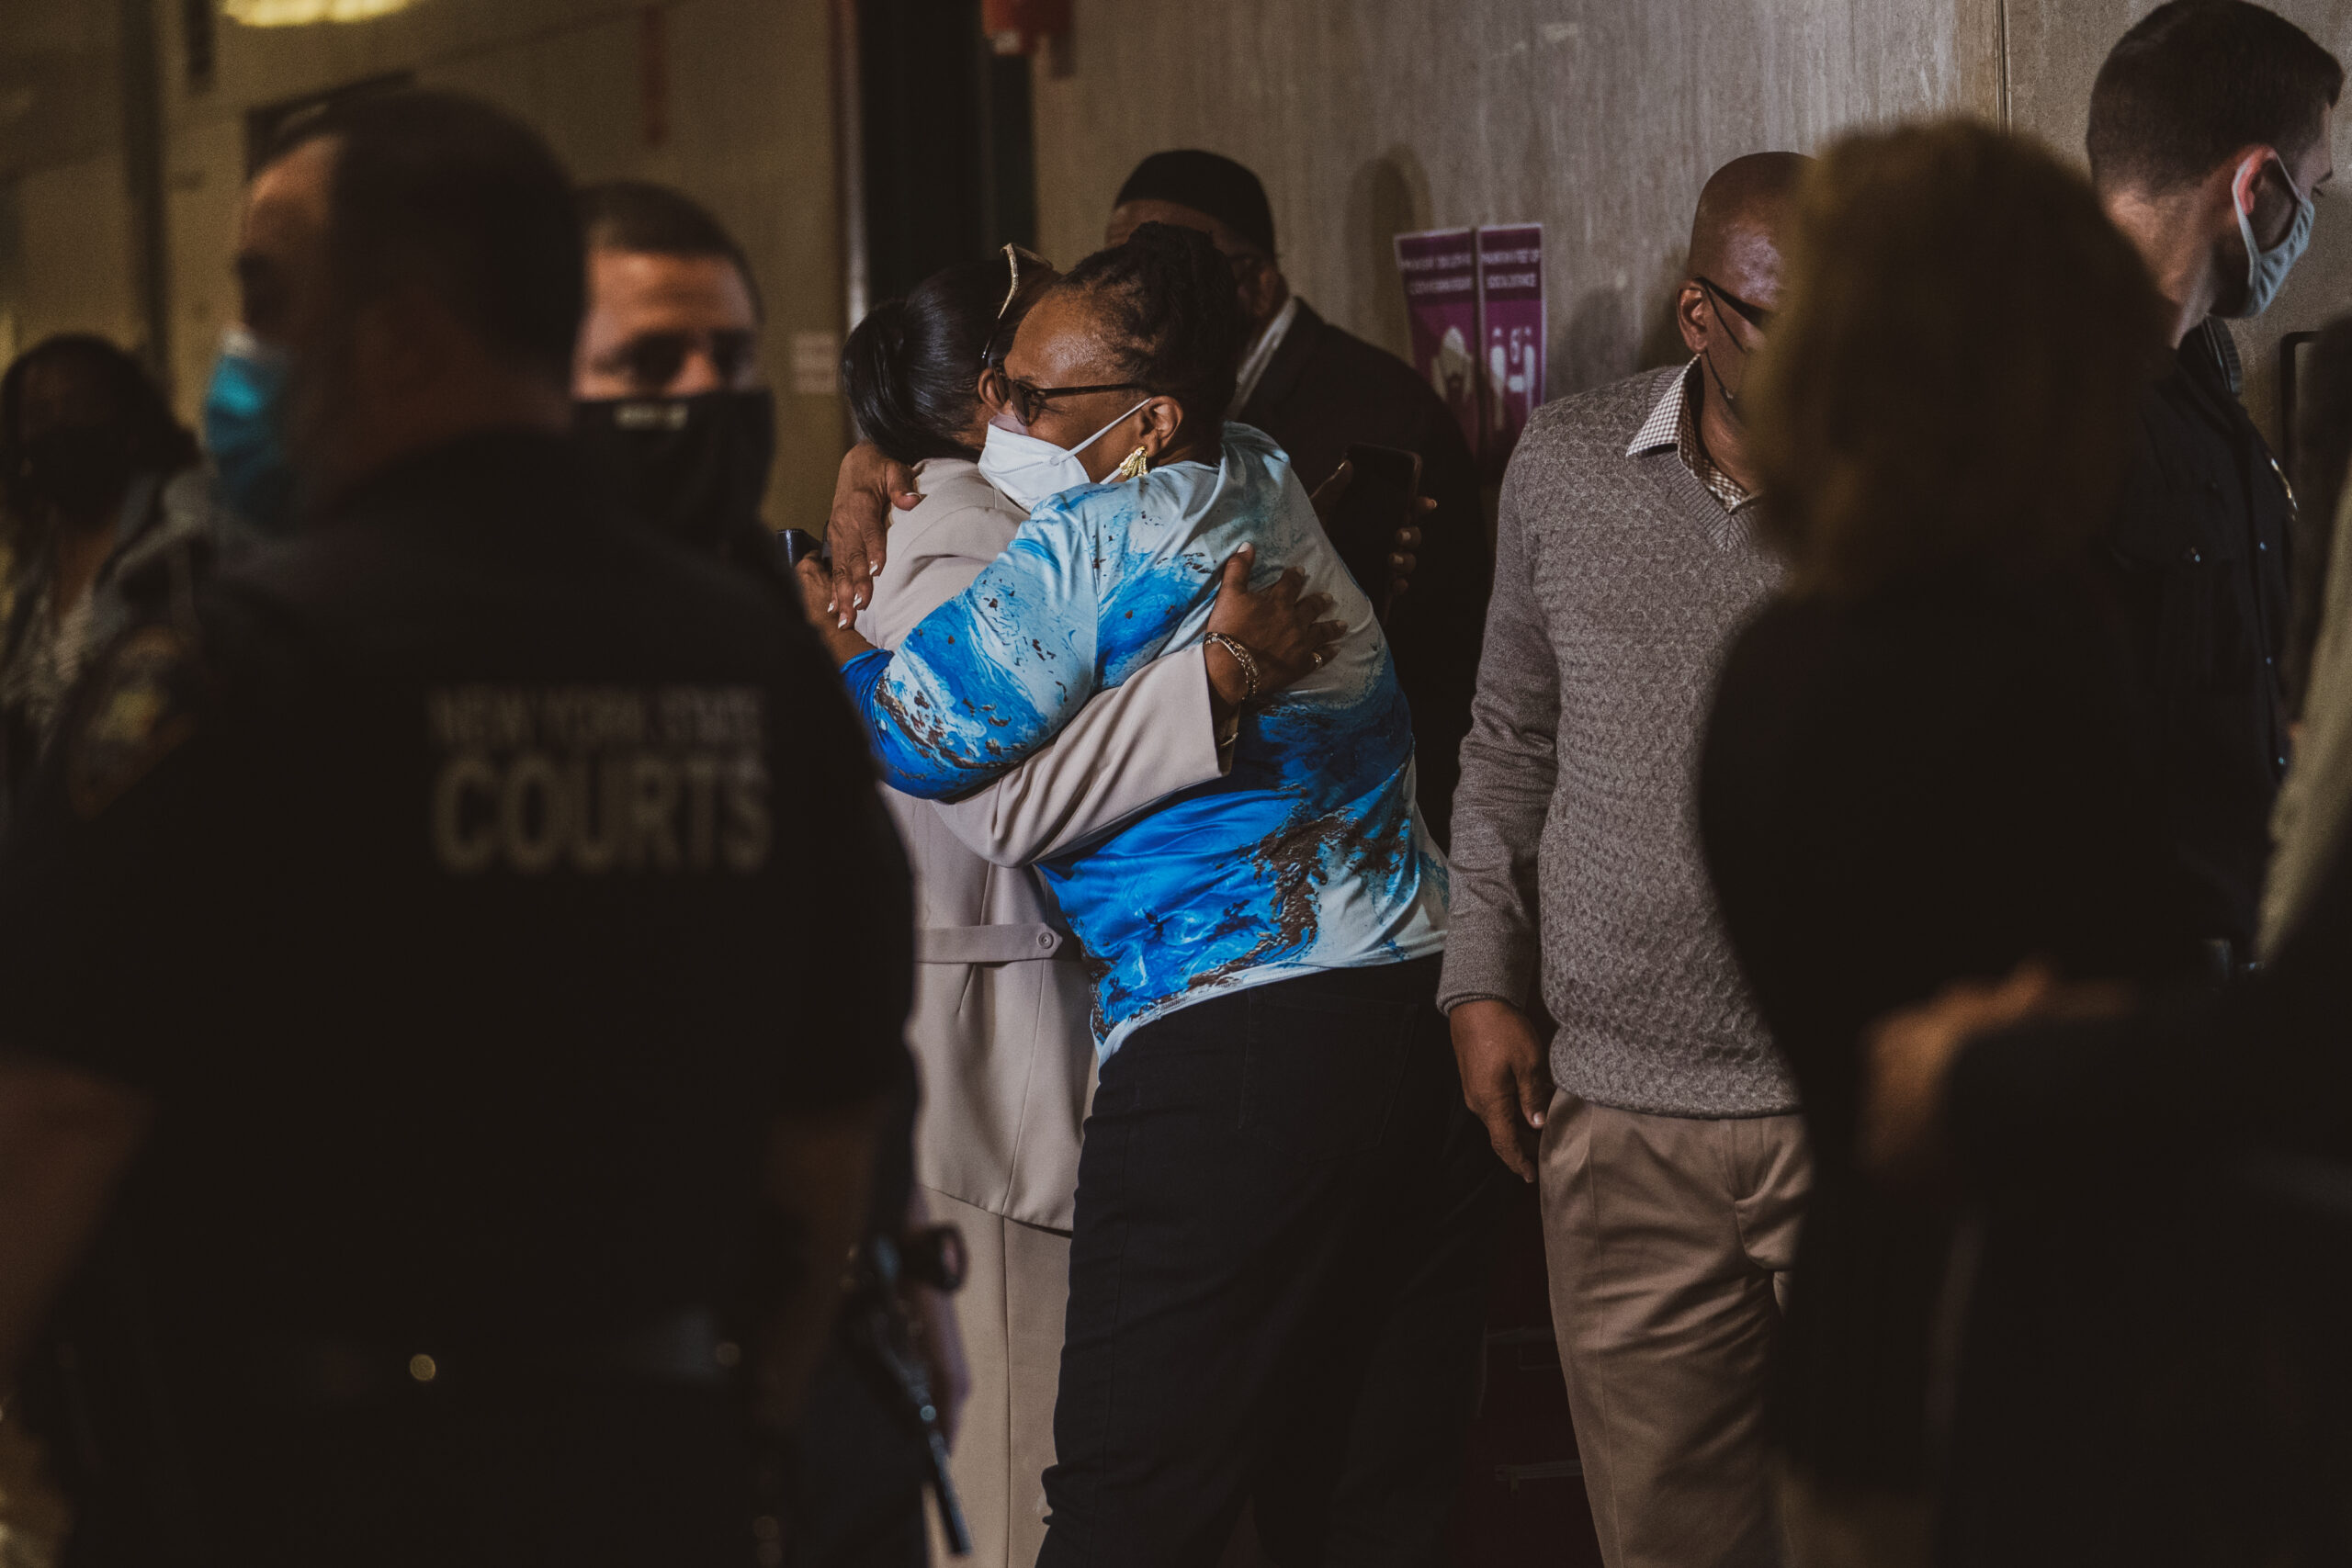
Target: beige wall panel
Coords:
[(2055, 48), (577, 87), (61, 82), (204, 170), (749, 132), (752, 134), (1599, 118), (77, 261)]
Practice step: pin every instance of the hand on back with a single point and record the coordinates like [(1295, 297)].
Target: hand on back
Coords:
[(1281, 628)]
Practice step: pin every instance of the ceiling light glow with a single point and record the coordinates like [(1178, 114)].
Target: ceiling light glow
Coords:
[(302, 13)]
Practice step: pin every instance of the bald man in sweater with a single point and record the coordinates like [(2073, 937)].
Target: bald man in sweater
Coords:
[(1661, 1125)]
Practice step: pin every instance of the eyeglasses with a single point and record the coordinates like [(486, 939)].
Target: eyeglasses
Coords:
[(1754, 315), (1027, 402), (1014, 256)]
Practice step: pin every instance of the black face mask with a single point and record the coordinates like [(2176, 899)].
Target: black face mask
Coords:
[(81, 471), (694, 468)]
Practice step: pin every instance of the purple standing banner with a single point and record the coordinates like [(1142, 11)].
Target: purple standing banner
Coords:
[(1441, 271), (1510, 315)]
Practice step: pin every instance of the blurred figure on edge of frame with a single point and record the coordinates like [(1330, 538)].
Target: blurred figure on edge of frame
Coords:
[(99, 484), (393, 934), (1921, 764)]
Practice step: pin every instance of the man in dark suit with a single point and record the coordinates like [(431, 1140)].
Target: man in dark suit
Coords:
[(1316, 389), (2211, 129)]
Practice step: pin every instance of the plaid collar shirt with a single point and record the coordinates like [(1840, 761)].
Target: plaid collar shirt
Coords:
[(1672, 423)]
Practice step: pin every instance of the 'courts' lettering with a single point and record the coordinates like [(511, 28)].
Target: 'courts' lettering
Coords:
[(601, 779)]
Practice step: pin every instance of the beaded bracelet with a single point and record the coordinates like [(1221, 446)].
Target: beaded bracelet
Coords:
[(1242, 657)]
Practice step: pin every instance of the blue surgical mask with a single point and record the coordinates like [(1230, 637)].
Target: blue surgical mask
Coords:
[(1029, 469), (244, 427), (2266, 270)]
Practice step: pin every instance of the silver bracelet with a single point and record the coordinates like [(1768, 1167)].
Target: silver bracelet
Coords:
[(1242, 657)]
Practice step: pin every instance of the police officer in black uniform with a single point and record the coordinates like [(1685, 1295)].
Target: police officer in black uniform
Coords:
[(407, 941)]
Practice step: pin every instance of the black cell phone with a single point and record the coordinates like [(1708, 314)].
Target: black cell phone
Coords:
[(1378, 500)]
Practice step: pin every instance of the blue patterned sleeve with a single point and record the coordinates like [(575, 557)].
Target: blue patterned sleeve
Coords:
[(994, 673)]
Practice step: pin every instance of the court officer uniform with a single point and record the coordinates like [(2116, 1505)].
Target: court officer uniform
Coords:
[(446, 876)]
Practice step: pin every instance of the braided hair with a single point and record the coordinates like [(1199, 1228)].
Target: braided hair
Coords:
[(1175, 318), (911, 367)]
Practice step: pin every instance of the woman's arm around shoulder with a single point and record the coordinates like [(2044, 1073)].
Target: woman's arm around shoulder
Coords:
[(991, 675), (1169, 727)]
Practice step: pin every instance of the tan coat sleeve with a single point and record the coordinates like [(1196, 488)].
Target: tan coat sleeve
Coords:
[(1150, 737), (1145, 738)]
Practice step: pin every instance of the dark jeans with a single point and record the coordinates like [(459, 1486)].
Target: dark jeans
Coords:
[(1277, 1282)]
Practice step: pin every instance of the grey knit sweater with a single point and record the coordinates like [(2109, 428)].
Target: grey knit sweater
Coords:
[(1618, 581)]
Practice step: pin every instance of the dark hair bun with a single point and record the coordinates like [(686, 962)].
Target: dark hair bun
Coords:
[(874, 379), (912, 369)]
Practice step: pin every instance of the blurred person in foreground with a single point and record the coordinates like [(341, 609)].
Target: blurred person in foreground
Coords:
[(434, 875), (2211, 134), (1658, 1120), (1920, 764), (1279, 1245), (2108, 1408), (2179, 1174), (100, 485), (1002, 1000)]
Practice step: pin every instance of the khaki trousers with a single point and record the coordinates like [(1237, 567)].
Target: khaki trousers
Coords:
[(1010, 1310), (1667, 1240)]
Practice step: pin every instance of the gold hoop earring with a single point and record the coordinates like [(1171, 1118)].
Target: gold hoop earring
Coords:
[(1134, 467)]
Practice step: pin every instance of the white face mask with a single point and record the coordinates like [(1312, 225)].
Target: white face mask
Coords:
[(2266, 270), (1030, 470)]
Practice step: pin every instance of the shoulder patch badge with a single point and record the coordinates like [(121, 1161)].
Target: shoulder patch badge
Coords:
[(142, 702)]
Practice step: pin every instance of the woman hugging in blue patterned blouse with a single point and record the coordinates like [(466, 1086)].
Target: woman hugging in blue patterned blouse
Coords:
[(1283, 1210), (1309, 854)]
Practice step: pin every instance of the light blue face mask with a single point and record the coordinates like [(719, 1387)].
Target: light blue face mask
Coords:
[(245, 428), (2266, 270)]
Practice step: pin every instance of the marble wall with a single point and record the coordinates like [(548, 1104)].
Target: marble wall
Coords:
[(744, 123), (1599, 118)]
